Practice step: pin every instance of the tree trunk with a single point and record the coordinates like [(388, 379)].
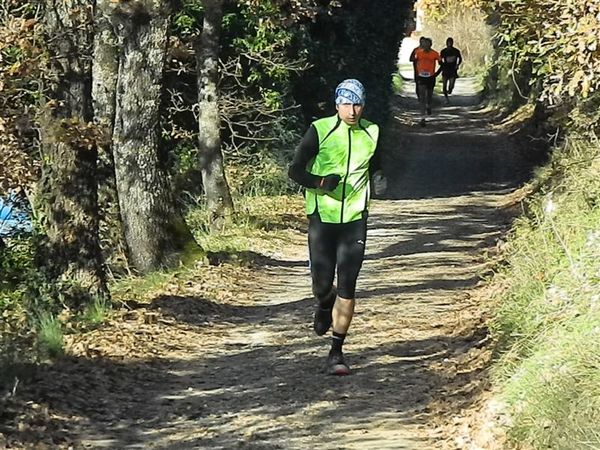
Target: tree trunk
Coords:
[(105, 70), (68, 194), (154, 230), (215, 185)]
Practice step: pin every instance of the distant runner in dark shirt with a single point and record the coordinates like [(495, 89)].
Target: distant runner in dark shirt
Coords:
[(451, 61)]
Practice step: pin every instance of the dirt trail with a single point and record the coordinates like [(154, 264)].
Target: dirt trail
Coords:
[(250, 375)]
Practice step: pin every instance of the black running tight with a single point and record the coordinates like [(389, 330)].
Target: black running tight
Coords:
[(331, 245)]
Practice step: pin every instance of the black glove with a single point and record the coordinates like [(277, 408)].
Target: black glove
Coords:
[(328, 183)]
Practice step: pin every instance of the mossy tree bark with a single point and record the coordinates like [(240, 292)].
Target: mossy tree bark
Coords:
[(105, 71), (154, 230)]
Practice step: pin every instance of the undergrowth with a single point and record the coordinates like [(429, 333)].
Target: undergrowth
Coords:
[(97, 311), (261, 225), (255, 216), (34, 317), (548, 313), (50, 335), (34, 310)]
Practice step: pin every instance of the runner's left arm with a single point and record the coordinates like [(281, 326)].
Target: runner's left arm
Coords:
[(376, 172), (413, 60), (413, 55), (375, 162)]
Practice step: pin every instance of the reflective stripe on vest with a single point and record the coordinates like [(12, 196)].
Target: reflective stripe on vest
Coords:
[(346, 151)]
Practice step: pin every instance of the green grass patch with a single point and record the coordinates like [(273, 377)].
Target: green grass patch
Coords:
[(137, 288), (547, 316), (49, 335), (259, 222), (397, 83), (97, 311)]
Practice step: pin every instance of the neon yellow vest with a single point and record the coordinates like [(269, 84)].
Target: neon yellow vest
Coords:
[(346, 151)]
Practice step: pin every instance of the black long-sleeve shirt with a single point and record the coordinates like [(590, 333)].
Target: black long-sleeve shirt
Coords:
[(307, 150)]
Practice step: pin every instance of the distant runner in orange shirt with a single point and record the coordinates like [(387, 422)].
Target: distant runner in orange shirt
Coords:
[(412, 59), (426, 61)]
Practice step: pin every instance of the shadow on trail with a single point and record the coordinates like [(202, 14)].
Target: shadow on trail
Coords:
[(199, 311), (251, 259), (137, 404), (425, 285), (456, 153), (455, 229), (473, 102)]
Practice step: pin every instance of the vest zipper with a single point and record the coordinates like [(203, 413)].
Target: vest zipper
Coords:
[(347, 174)]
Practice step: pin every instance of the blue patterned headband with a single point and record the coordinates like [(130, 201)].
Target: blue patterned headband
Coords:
[(350, 91)]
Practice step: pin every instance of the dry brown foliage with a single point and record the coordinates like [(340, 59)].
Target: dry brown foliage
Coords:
[(20, 87)]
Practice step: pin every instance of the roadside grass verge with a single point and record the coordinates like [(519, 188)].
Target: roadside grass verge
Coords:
[(547, 315)]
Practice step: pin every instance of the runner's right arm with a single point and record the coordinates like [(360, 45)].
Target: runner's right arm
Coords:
[(305, 152), (413, 55), (413, 60)]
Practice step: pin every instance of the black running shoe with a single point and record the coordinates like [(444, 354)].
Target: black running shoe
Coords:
[(428, 111), (336, 365)]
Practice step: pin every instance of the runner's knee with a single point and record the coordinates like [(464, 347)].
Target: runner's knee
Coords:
[(351, 253), (322, 290), (348, 291), (347, 276)]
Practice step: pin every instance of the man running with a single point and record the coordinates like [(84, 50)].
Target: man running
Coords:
[(334, 162), (451, 61), (425, 61), (412, 59)]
